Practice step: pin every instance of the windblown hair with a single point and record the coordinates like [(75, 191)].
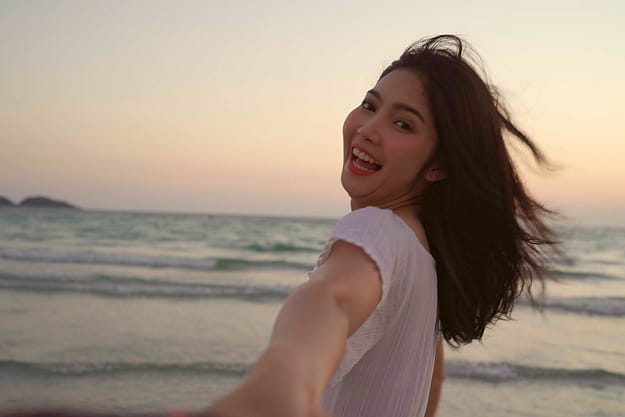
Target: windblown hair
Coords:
[(488, 235)]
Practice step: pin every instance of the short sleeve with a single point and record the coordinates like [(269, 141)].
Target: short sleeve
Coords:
[(368, 228), (378, 233)]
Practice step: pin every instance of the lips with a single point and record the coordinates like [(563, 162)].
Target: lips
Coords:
[(361, 163)]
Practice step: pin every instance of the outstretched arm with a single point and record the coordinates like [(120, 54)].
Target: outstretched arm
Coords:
[(308, 339)]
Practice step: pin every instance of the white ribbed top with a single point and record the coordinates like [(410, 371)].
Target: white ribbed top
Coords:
[(387, 365)]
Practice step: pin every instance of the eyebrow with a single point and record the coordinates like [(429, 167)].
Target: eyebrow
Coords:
[(400, 106)]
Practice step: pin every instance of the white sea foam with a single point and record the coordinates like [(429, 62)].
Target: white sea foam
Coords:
[(136, 287), (107, 258), (487, 372), (601, 306)]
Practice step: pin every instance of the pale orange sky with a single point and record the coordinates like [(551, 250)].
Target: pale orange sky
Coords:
[(206, 107)]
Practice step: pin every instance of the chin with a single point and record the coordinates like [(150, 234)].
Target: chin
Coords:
[(354, 186), (345, 182)]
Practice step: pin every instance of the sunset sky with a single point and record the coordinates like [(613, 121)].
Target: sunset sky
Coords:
[(237, 107)]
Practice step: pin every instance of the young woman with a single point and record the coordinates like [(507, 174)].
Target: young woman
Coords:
[(443, 238)]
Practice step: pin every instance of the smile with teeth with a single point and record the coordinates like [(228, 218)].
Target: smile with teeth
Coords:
[(364, 161)]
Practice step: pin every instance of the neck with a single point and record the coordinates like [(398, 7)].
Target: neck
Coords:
[(402, 209)]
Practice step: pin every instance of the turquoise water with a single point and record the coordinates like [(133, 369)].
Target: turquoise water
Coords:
[(137, 312)]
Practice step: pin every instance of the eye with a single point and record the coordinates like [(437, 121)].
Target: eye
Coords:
[(403, 125), (368, 106)]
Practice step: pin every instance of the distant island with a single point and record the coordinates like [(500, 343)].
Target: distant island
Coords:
[(37, 201)]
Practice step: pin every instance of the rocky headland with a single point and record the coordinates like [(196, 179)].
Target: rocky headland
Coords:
[(37, 201)]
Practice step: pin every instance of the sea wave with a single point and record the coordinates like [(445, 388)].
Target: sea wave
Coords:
[(590, 306), (503, 372), (233, 264), (104, 285), (281, 247), (132, 286), (111, 368), (582, 275), (598, 306), (150, 261), (485, 372)]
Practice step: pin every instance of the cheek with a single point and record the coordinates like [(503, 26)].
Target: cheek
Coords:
[(350, 126), (412, 158)]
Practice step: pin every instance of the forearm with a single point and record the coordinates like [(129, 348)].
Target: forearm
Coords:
[(313, 328), (306, 346)]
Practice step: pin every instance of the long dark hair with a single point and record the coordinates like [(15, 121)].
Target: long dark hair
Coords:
[(488, 235)]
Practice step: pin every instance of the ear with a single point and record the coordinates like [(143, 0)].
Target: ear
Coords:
[(435, 174)]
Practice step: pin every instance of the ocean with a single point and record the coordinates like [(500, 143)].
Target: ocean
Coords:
[(137, 312)]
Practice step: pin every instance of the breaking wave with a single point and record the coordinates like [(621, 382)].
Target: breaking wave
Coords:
[(485, 372), (150, 261), (104, 285)]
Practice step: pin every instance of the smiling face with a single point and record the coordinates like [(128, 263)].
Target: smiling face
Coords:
[(388, 144)]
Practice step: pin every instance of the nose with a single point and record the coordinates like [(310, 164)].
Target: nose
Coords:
[(370, 130)]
